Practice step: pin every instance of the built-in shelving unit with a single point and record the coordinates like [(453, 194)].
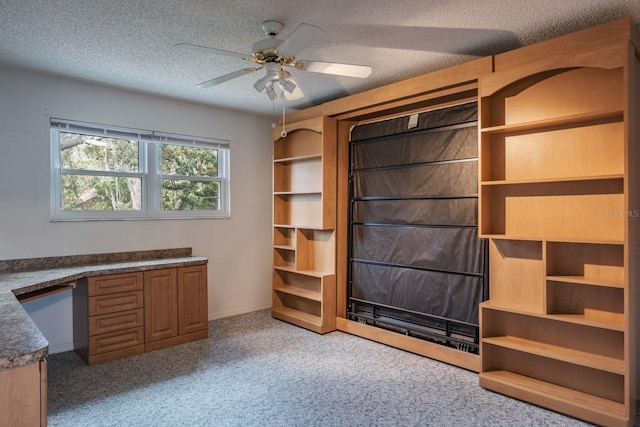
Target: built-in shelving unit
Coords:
[(557, 201), (304, 286)]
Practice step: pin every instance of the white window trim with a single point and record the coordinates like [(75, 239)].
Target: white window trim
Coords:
[(148, 171)]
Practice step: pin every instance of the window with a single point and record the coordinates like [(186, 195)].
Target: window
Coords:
[(101, 172)]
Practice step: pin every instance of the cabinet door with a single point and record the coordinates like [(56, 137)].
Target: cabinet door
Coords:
[(160, 304), (192, 299), (22, 393)]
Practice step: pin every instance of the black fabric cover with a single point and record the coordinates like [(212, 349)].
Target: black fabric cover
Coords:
[(448, 179), (445, 249), (463, 113), (414, 240), (462, 212), (451, 296), (411, 149)]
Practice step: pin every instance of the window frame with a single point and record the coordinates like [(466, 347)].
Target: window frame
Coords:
[(148, 171)]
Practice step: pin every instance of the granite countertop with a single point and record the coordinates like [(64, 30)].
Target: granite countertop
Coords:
[(21, 342)]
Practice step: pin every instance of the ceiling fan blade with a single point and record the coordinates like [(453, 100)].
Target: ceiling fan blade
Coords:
[(212, 50), (302, 37), (349, 70), (297, 92), (226, 77)]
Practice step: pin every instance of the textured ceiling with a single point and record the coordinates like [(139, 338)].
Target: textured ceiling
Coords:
[(130, 43)]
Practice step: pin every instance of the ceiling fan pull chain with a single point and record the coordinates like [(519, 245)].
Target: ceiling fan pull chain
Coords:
[(284, 132), (273, 114)]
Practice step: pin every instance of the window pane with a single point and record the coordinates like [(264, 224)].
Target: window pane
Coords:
[(97, 153), (188, 161), (101, 193), (189, 195)]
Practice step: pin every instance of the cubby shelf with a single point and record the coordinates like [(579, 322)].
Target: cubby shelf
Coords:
[(609, 364), (555, 397)]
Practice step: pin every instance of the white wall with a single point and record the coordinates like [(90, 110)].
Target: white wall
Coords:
[(238, 248)]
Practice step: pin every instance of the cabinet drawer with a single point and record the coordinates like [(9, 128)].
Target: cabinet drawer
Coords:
[(116, 341), (105, 304), (116, 321), (114, 283)]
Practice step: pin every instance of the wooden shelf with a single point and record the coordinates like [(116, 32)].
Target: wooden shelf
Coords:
[(296, 193), (298, 317), (581, 319), (311, 273), (539, 125), (589, 281), (578, 319), (568, 355), (497, 236), (553, 180), (299, 292), (561, 399), (301, 227), (285, 247), (306, 158)]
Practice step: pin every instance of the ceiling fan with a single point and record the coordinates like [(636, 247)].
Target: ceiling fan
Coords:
[(273, 55)]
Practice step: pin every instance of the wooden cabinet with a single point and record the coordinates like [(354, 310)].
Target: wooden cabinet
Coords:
[(108, 317), (161, 304), (175, 306), (121, 315), (193, 313), (304, 217), (23, 395), (558, 201)]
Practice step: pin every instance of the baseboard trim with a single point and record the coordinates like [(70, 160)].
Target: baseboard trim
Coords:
[(245, 310), (60, 347), (439, 352)]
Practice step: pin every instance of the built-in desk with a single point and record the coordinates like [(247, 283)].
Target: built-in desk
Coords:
[(23, 348)]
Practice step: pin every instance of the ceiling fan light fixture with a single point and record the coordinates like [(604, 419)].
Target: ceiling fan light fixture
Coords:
[(260, 84), (288, 85), (271, 28)]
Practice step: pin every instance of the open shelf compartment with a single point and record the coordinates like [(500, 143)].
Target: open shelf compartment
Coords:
[(554, 97), (554, 154), (601, 343), (568, 210), (302, 176), (300, 144), (558, 398)]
